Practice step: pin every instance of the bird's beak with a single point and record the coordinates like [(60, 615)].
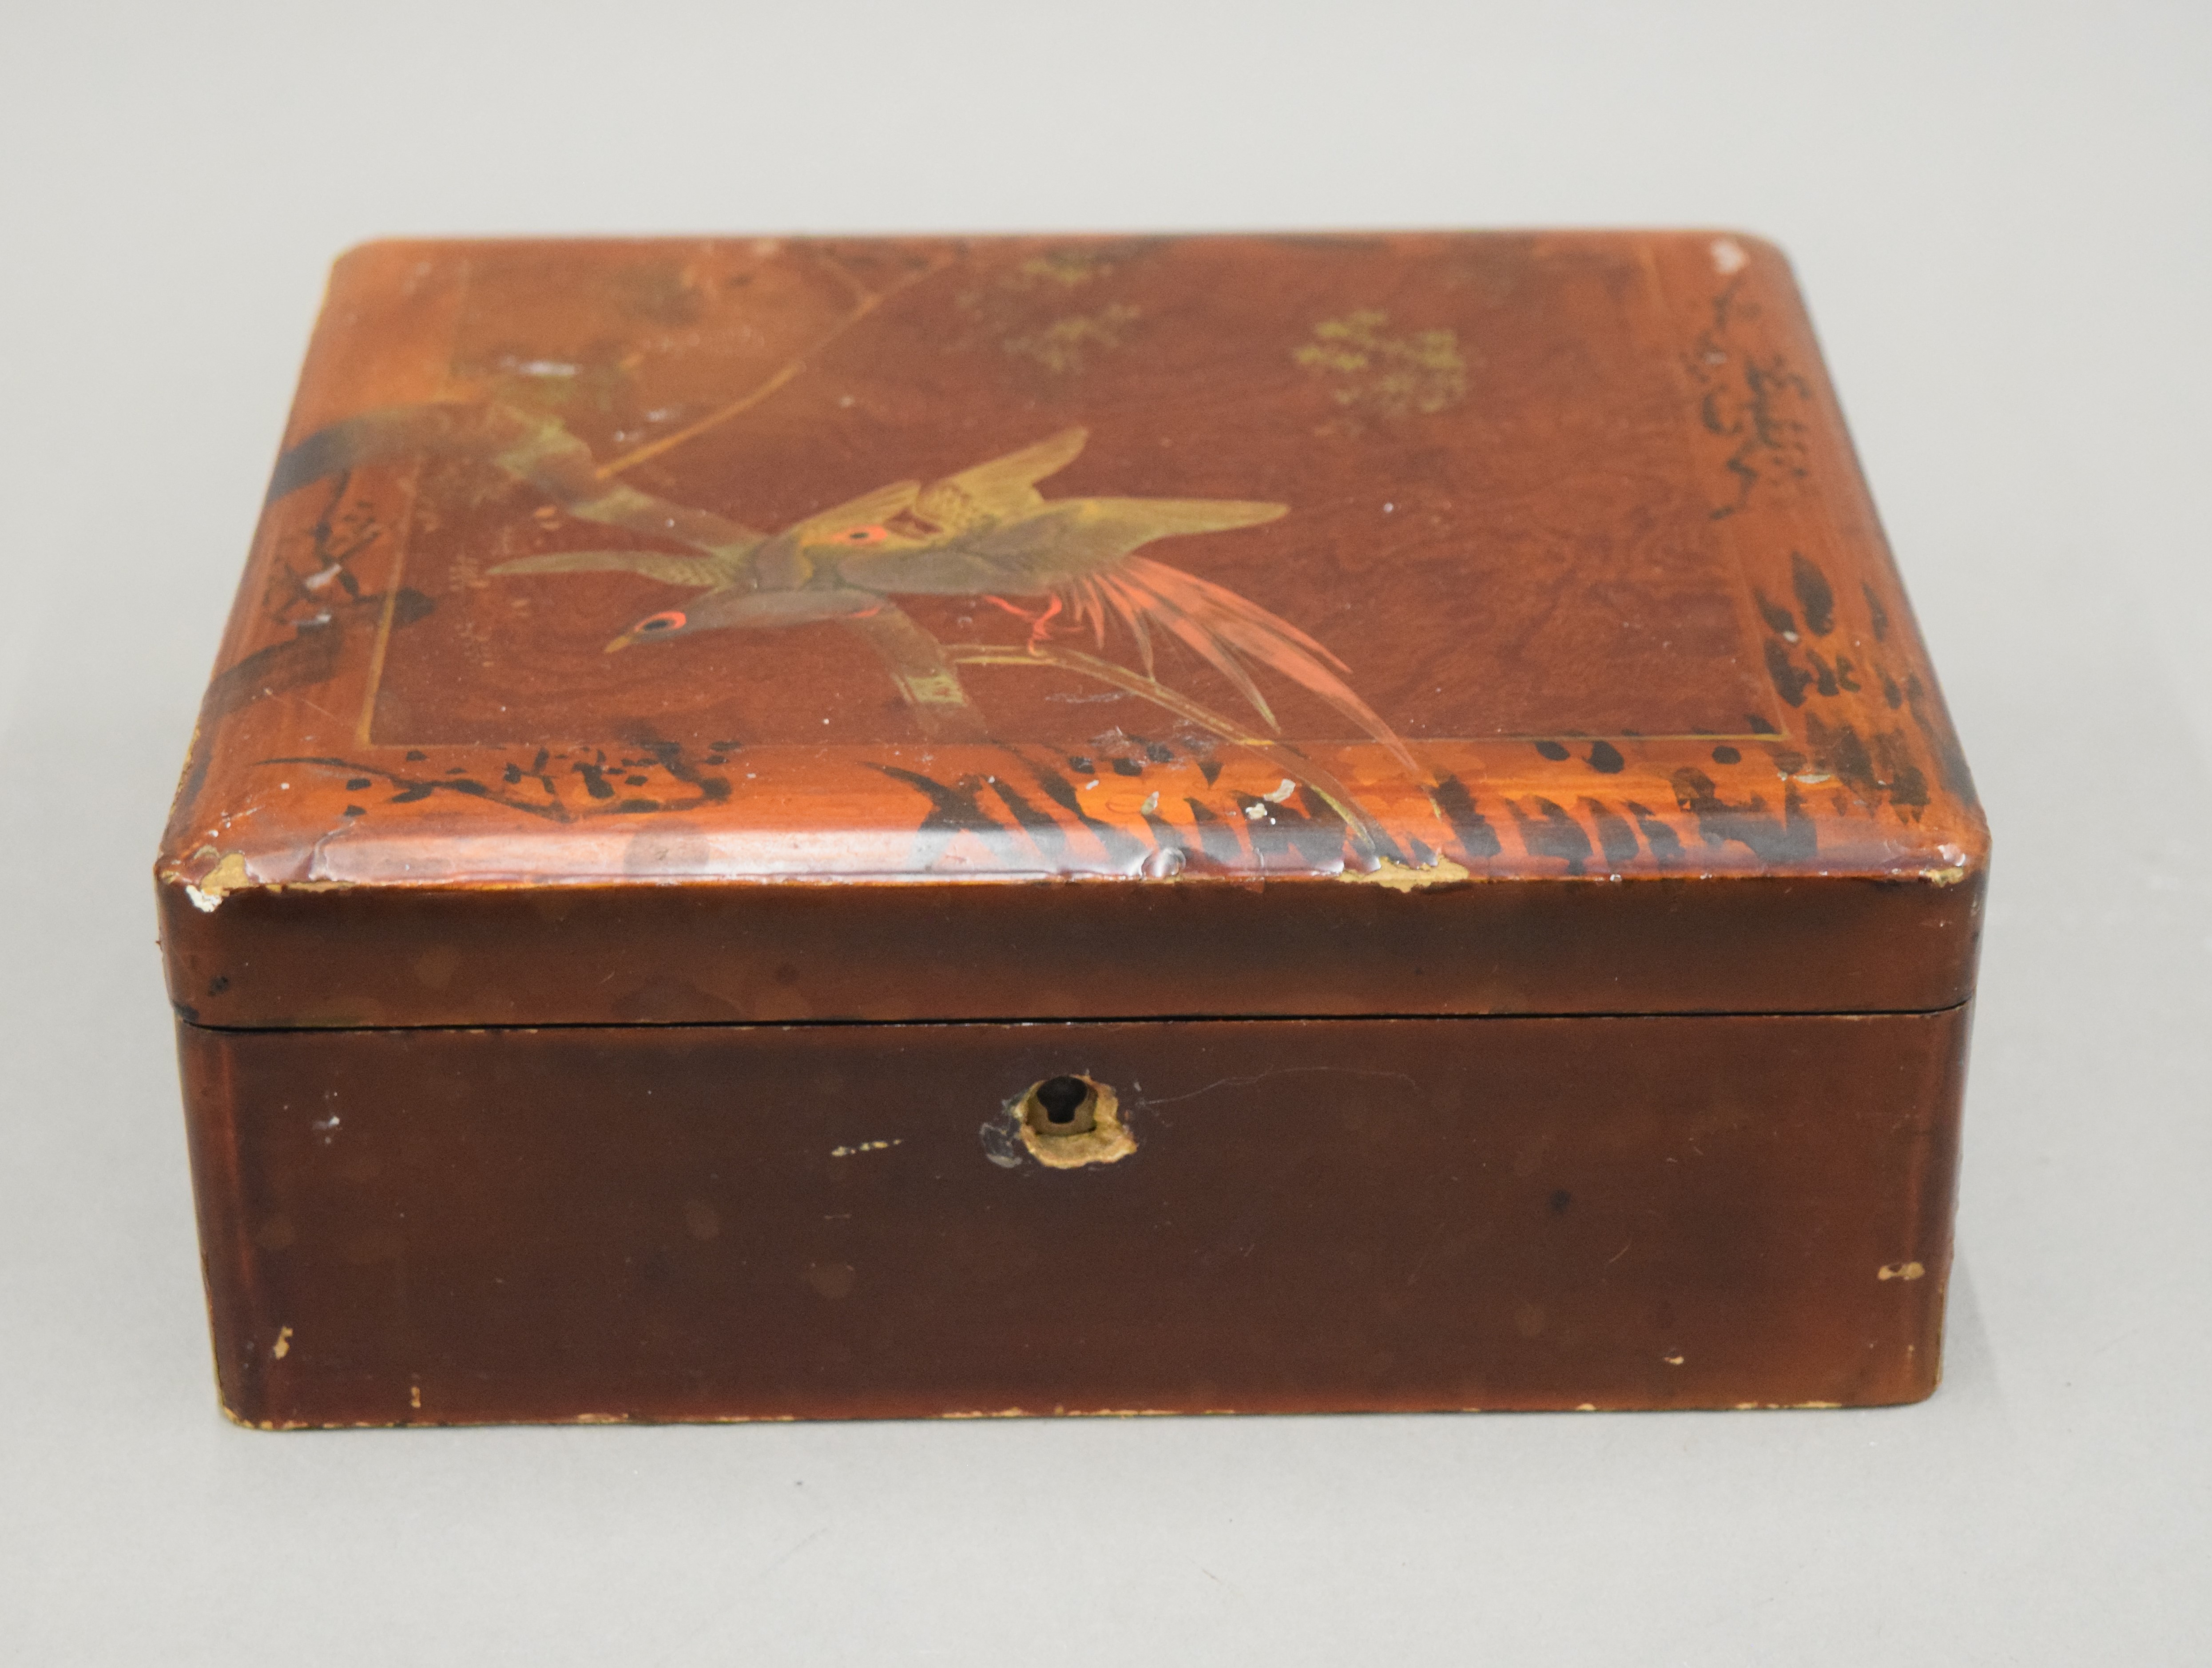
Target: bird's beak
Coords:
[(623, 641)]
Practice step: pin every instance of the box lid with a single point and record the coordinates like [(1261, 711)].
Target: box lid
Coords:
[(933, 628)]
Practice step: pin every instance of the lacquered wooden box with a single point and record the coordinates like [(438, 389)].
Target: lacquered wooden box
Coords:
[(953, 826)]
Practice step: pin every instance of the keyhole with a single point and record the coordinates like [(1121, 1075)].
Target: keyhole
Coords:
[(1064, 1123), (1063, 1097), (1062, 1106)]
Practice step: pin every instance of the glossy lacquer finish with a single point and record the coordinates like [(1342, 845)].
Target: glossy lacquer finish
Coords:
[(740, 1222), (1206, 626), (948, 826)]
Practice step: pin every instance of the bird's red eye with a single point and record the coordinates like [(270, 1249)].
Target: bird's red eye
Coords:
[(671, 621), (867, 535)]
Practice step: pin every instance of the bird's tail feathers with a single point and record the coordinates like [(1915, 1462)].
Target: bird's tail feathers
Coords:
[(1225, 630)]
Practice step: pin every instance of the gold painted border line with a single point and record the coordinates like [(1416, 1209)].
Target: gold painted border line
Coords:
[(613, 744), (372, 678), (1663, 298), (404, 526)]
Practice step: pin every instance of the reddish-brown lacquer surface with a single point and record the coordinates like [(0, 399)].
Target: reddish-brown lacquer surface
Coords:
[(1563, 574), (726, 1222)]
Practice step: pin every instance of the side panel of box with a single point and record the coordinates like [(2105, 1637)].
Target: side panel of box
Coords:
[(719, 1222)]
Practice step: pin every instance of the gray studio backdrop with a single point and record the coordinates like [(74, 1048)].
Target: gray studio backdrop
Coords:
[(1999, 213)]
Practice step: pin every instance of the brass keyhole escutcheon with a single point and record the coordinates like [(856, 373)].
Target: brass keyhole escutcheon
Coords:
[(1070, 1121)]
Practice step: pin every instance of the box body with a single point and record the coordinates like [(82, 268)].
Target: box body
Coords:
[(1418, 738), (772, 1222)]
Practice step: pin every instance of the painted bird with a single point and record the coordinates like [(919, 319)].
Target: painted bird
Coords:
[(988, 532)]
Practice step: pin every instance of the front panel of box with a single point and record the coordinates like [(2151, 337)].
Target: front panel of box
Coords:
[(727, 1222)]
